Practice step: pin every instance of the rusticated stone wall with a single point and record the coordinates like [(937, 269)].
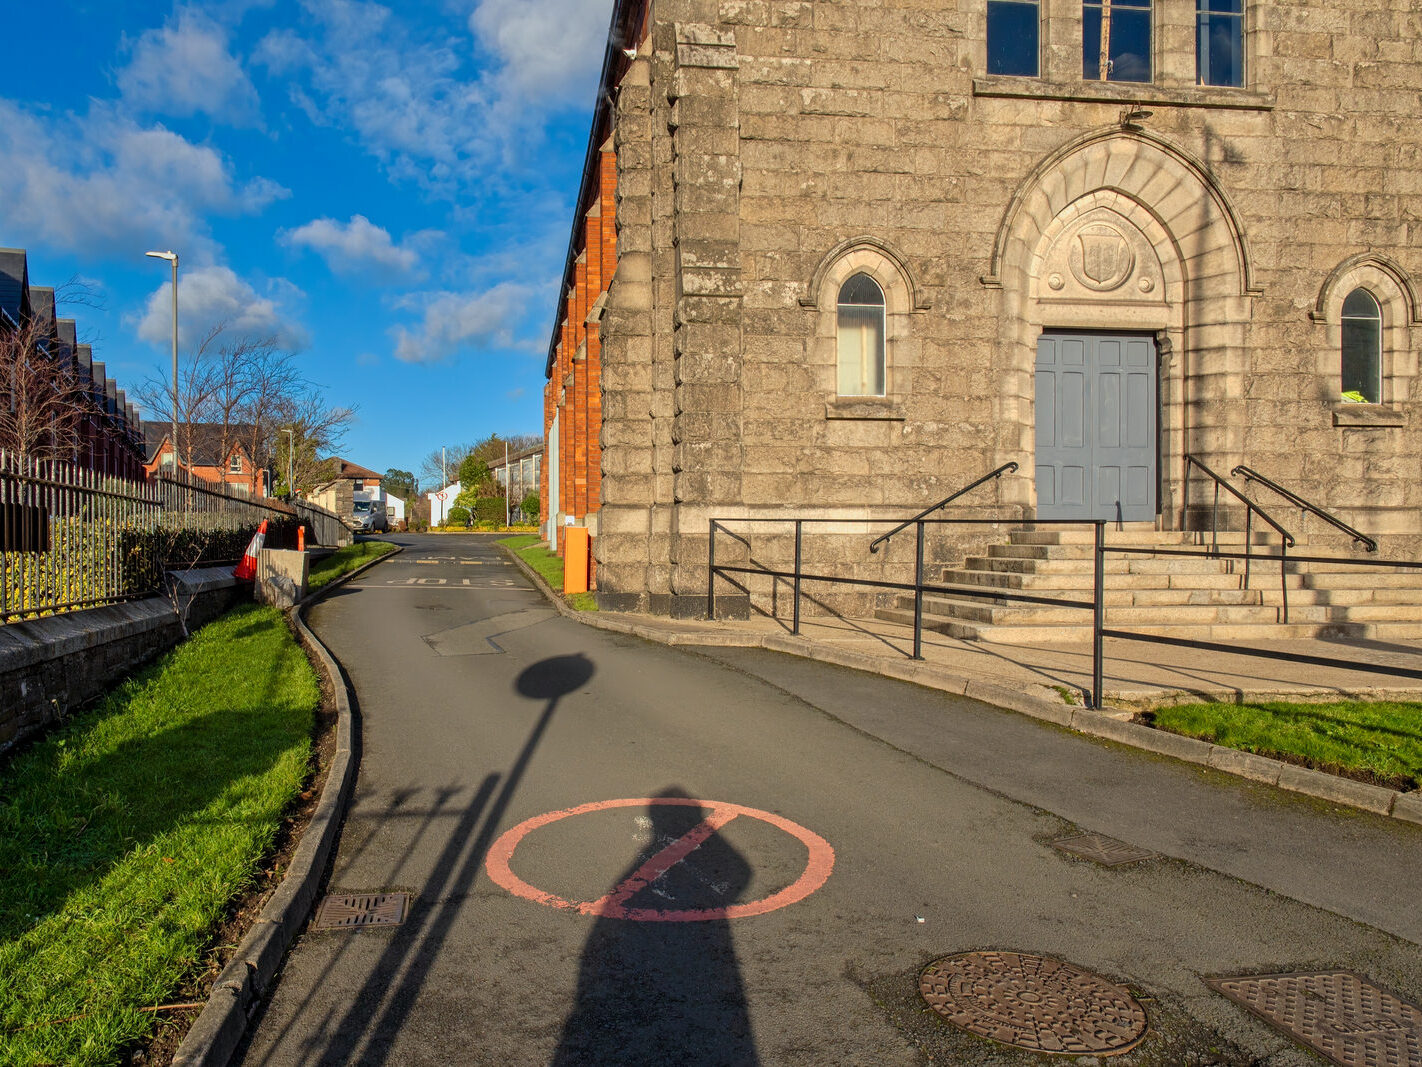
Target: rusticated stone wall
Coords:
[(767, 149)]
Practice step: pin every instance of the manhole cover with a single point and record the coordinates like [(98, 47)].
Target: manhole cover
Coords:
[(1098, 848), (1033, 1002), (343, 911), (1344, 1018)]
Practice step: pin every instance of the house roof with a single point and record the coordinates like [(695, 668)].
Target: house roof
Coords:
[(42, 304), (354, 470), (207, 440), (14, 282)]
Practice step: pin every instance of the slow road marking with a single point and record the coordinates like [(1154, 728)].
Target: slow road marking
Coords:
[(614, 905)]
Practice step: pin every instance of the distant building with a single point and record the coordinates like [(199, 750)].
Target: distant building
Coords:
[(521, 475), (211, 451), (103, 432), (441, 500)]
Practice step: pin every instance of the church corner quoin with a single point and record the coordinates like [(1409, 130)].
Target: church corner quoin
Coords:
[(841, 259)]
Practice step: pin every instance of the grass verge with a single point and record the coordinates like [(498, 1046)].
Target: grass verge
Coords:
[(1373, 742), (533, 551), (125, 836), (344, 560)]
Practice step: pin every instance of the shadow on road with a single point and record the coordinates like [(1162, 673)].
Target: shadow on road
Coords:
[(376, 1014), (663, 992)]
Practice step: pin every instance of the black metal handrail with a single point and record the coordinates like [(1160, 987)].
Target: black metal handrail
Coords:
[(1096, 604), (1006, 468), (1249, 474), (1251, 509)]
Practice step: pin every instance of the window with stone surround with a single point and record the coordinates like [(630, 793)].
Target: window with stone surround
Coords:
[(235, 467), (1362, 348), (1116, 40), (860, 337), (1370, 308), (1014, 37), (1219, 42)]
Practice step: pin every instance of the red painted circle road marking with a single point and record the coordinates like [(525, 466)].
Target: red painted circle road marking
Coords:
[(614, 906)]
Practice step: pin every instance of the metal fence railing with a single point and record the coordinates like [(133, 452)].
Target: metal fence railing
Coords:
[(72, 538), (737, 562), (327, 528)]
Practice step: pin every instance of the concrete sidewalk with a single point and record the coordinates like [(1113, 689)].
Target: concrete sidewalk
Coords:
[(1051, 682), (1136, 674)]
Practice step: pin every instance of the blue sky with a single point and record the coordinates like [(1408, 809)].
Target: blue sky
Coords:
[(388, 189)]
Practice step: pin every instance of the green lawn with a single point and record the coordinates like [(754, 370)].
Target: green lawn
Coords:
[(1378, 740), (125, 835), (532, 550), (344, 560)]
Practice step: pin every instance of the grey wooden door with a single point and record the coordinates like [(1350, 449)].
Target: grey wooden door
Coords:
[(1096, 426)]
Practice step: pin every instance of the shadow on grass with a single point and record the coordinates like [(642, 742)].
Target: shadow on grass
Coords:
[(67, 817)]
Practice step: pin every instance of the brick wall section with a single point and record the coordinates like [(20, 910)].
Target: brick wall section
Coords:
[(574, 390)]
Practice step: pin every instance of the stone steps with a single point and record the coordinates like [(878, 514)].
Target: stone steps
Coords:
[(1194, 597)]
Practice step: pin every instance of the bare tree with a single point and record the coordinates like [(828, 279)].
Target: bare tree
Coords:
[(316, 428), (41, 401)]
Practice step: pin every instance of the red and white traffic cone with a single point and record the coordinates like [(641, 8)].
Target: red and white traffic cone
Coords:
[(247, 569)]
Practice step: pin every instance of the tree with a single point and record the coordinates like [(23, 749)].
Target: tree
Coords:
[(530, 506), (250, 388), (400, 483), (41, 400), (440, 466)]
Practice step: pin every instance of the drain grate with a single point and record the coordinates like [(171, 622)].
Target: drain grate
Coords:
[(1343, 1017), (1033, 1002), (347, 911), (1107, 851)]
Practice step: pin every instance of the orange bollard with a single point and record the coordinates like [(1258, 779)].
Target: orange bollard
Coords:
[(576, 545), (301, 538)]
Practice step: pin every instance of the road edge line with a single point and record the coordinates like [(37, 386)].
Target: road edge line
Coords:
[(250, 973)]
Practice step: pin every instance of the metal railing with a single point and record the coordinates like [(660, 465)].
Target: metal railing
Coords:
[(327, 528), (1249, 474), (1286, 539), (1006, 468), (71, 538), (797, 577)]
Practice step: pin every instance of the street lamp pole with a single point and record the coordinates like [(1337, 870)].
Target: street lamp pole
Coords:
[(172, 257)]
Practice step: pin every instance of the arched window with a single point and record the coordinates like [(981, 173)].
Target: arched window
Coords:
[(861, 337), (1362, 348)]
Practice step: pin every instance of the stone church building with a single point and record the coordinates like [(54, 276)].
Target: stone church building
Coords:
[(842, 257)]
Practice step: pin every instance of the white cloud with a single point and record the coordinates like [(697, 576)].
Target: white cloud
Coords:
[(213, 296), (352, 247), (415, 98), (551, 50), (185, 68), (451, 321), (102, 183)]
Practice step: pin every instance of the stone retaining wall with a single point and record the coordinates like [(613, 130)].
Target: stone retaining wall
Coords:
[(50, 667)]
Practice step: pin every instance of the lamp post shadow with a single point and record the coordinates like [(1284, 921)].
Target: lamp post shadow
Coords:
[(665, 992)]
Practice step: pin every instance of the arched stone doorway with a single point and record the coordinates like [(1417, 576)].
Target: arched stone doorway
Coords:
[(1121, 237)]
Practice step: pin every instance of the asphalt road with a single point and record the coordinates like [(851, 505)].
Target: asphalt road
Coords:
[(481, 710)]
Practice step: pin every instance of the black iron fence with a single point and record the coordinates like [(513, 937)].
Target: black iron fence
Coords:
[(326, 527), (796, 577), (72, 538)]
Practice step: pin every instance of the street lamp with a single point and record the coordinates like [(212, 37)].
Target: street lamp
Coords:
[(172, 257)]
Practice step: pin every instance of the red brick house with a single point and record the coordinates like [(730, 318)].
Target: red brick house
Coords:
[(220, 455)]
